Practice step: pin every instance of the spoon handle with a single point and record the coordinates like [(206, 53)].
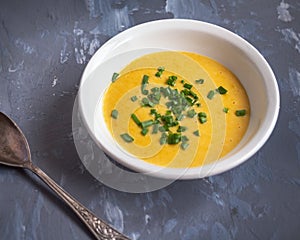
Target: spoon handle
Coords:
[(98, 227)]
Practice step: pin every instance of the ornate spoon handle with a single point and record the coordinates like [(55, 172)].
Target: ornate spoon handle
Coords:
[(98, 227)]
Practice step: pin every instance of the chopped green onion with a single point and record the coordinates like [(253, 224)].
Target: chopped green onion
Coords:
[(153, 111), (181, 129), (133, 98), (155, 89), (127, 138), (147, 103), (145, 79), (144, 131), (189, 100), (174, 138), (221, 90), (155, 128), (202, 114), (114, 114), (210, 94), (147, 123), (114, 76), (184, 139), (196, 133), (188, 86), (135, 119), (157, 96), (240, 113), (185, 92), (225, 110), (184, 145), (159, 72), (168, 112), (163, 139), (161, 69), (191, 113), (171, 80), (182, 81), (194, 95), (162, 129), (200, 81), (144, 84), (180, 117), (202, 117)]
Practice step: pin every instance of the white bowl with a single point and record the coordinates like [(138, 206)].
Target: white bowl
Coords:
[(188, 35)]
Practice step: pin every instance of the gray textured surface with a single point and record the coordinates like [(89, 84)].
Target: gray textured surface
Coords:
[(44, 47)]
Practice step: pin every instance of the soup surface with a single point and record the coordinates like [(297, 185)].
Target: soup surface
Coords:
[(176, 109)]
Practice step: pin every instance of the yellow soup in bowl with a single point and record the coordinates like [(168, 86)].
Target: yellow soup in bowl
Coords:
[(176, 109)]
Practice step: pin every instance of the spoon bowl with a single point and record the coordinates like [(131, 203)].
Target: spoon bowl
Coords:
[(14, 148), (14, 151)]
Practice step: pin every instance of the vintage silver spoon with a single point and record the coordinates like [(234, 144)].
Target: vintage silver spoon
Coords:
[(14, 151)]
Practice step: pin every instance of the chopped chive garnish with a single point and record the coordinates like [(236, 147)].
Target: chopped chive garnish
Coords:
[(133, 98), (163, 140), (240, 113), (155, 128), (184, 139), (147, 103), (162, 129), (144, 131), (179, 104), (114, 114), (210, 94), (154, 97), (153, 111), (147, 123), (196, 133), (135, 119), (188, 86), (200, 81), (174, 138), (127, 138), (185, 92), (184, 145), (155, 89), (181, 129), (180, 117), (168, 112), (202, 114), (191, 113), (114, 76), (202, 117), (145, 79), (194, 95), (168, 91), (144, 84), (159, 72), (161, 69), (171, 80), (221, 90)]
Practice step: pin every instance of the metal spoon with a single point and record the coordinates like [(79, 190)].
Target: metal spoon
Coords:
[(14, 151)]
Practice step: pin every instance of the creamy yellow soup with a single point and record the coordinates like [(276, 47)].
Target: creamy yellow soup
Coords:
[(214, 90)]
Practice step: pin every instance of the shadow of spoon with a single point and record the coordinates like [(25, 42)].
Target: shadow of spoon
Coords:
[(14, 151)]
